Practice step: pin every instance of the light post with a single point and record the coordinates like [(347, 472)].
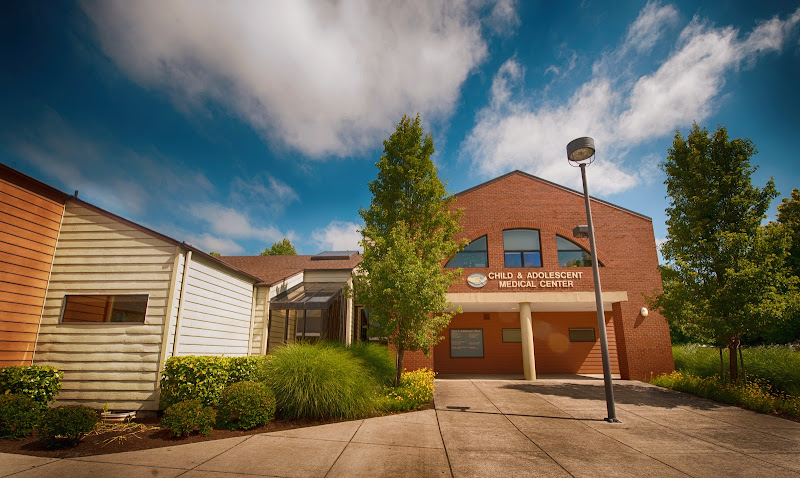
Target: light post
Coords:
[(581, 151)]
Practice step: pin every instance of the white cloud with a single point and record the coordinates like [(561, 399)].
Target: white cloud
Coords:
[(263, 190), (338, 236), (320, 77), (210, 243), (514, 132), (229, 223)]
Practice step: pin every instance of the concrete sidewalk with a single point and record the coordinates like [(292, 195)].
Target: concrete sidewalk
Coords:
[(551, 427)]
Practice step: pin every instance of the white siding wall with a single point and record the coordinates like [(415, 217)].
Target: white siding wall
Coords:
[(260, 319), (327, 276), (106, 363), (216, 311)]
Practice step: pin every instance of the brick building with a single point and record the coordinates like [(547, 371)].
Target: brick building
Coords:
[(523, 255)]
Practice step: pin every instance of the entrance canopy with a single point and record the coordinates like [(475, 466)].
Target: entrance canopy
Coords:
[(540, 301), (308, 296)]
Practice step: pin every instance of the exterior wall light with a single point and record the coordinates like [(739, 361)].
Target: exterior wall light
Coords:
[(644, 312), (580, 152)]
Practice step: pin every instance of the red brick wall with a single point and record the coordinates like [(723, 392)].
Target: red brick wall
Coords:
[(413, 360), (626, 248)]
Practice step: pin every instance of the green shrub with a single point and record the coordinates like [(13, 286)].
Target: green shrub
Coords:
[(245, 405), (66, 425), (779, 366), (415, 391), (41, 383), (184, 417), (204, 378), (318, 381), (19, 415)]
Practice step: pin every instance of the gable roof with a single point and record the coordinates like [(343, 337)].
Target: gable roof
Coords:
[(550, 183), (272, 269)]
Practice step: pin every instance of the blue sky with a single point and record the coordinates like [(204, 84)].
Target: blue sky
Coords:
[(231, 125)]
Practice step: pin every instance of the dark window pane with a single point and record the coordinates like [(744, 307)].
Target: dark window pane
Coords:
[(478, 244), (513, 259), (582, 335), (574, 259), (532, 259), (512, 335), (469, 259), (105, 308)]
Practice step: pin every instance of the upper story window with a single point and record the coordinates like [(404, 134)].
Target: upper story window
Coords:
[(571, 254), (104, 308), (475, 254), (521, 248)]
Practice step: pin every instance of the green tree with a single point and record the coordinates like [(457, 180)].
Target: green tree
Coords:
[(789, 216), (215, 254), (726, 274), (407, 237), (282, 248)]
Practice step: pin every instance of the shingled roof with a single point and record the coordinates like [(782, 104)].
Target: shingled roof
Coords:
[(272, 269)]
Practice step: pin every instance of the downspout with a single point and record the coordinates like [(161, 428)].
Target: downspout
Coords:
[(252, 321), (184, 279)]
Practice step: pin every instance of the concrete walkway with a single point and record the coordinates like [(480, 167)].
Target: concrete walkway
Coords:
[(551, 427)]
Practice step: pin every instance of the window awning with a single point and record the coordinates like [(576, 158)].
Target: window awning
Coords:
[(308, 296)]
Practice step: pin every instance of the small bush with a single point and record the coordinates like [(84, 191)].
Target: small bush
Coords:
[(19, 415), (415, 391), (319, 381), (41, 383), (66, 425), (245, 405), (184, 417), (204, 378)]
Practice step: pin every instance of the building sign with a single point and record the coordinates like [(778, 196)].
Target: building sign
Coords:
[(527, 279), (466, 343)]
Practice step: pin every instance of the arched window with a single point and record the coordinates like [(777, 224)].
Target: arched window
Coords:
[(571, 254), (474, 254), (521, 248)]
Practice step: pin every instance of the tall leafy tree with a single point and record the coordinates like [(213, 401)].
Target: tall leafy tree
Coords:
[(407, 236), (789, 216), (282, 248), (726, 271)]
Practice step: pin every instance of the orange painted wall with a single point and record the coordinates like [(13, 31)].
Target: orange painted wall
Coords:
[(553, 351), (30, 218)]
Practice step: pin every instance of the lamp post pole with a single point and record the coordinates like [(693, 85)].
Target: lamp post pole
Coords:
[(598, 296), (581, 151)]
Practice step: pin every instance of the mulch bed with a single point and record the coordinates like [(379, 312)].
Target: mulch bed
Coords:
[(121, 441), (153, 437)]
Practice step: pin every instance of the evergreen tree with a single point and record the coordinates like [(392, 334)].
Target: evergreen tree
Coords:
[(407, 237)]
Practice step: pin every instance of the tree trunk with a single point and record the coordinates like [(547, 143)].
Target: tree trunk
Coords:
[(732, 361), (721, 366), (741, 360), (399, 365)]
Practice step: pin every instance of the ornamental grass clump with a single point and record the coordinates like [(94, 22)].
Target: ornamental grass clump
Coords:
[(245, 405), (66, 425), (320, 381), (415, 391), (19, 415), (183, 418)]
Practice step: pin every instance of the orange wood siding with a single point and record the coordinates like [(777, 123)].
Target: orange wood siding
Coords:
[(29, 225), (553, 351)]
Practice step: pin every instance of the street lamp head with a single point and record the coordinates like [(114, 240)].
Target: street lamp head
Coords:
[(581, 149), (580, 232)]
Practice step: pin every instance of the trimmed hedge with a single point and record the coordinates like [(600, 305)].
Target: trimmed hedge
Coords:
[(184, 417), (40, 383), (66, 425), (204, 378), (19, 415), (245, 405)]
